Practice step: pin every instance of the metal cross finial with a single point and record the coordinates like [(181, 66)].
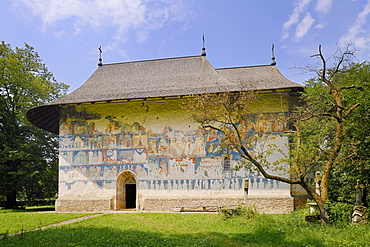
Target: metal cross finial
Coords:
[(273, 62), (273, 49), (203, 48), (100, 58)]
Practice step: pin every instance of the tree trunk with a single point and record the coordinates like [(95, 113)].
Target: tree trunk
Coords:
[(11, 199), (324, 215)]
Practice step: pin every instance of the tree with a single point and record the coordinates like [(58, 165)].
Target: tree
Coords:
[(28, 155), (318, 128), (345, 176)]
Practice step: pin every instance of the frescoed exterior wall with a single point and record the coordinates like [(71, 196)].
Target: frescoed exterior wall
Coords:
[(168, 155)]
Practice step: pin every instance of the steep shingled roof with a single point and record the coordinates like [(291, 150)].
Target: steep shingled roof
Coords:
[(257, 77), (159, 78), (147, 79)]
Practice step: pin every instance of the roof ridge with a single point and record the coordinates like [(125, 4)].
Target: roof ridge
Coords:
[(152, 60), (247, 66)]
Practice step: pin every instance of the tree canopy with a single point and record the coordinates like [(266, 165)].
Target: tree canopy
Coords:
[(357, 145), (28, 155)]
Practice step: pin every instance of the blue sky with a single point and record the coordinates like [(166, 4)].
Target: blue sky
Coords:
[(67, 33)]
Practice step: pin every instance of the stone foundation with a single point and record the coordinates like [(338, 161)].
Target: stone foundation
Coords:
[(268, 205), (84, 205), (271, 205), (189, 204)]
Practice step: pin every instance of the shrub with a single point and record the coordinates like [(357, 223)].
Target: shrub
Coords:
[(339, 212), (240, 210)]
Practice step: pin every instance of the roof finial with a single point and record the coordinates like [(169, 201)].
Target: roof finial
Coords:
[(273, 62), (100, 59), (203, 48)]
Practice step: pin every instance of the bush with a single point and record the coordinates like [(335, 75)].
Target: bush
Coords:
[(339, 212), (240, 210)]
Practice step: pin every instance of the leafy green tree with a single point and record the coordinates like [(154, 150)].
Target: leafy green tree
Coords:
[(319, 137), (28, 155), (357, 167)]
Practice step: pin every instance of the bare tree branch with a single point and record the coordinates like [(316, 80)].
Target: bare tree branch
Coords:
[(350, 110)]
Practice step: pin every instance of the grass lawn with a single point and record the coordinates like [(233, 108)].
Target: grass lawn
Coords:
[(12, 221), (156, 229)]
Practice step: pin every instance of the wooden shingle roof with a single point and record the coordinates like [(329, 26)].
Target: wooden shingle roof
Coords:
[(159, 78), (264, 77)]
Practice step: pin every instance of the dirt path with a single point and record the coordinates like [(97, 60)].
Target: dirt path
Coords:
[(56, 224)]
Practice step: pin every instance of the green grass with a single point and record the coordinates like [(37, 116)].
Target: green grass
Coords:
[(12, 222), (156, 229)]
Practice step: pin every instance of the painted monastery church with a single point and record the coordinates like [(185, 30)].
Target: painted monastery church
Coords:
[(125, 142)]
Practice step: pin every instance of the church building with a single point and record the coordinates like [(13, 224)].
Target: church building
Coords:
[(126, 142)]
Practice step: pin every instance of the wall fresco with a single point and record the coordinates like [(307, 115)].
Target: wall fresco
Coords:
[(165, 152)]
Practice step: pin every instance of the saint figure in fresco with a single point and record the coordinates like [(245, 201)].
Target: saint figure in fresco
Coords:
[(91, 128), (66, 128), (140, 171), (163, 168), (163, 147)]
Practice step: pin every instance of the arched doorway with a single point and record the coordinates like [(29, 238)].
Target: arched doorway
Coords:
[(126, 191)]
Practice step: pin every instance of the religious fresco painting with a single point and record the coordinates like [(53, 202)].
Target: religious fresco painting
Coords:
[(96, 148)]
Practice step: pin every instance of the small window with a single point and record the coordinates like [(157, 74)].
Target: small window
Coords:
[(226, 163)]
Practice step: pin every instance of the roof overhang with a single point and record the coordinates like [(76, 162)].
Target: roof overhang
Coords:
[(163, 78)]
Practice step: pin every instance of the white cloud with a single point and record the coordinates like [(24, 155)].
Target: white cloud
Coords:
[(323, 6), (303, 27), (357, 35), (321, 25), (139, 16), (294, 18)]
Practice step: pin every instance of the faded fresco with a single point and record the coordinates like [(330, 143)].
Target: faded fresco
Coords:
[(157, 142)]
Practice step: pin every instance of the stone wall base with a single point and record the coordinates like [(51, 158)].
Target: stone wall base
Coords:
[(271, 205), (188, 204), (84, 205), (268, 205)]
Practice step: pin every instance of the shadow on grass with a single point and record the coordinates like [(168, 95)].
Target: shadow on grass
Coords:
[(274, 236), (29, 209), (92, 236)]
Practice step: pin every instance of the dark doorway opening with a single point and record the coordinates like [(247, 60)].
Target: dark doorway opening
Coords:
[(130, 195)]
